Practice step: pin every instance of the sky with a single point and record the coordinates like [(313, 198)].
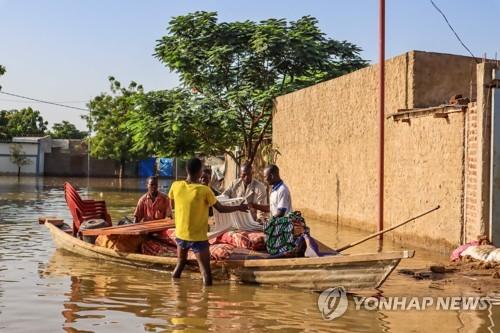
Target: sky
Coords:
[(64, 50)]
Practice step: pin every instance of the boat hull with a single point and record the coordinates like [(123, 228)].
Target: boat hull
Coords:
[(353, 272)]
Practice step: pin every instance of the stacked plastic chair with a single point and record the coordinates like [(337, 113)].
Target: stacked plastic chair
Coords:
[(82, 210)]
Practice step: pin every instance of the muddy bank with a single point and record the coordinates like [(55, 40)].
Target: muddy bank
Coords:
[(465, 276)]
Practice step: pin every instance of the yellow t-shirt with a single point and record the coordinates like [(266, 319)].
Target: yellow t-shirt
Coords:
[(191, 209)]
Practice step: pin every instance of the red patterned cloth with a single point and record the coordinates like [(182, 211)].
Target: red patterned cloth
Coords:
[(167, 235), (220, 251), (156, 247), (252, 240), (161, 248)]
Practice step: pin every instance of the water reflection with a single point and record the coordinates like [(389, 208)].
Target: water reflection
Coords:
[(49, 291), (101, 301)]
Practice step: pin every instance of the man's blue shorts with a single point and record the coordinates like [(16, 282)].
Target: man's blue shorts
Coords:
[(196, 246)]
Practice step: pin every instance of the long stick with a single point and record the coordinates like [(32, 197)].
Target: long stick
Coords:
[(345, 247)]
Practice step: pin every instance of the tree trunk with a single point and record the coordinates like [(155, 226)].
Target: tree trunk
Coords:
[(18, 171), (122, 167)]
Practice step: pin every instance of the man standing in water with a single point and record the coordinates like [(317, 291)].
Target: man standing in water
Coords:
[(153, 205), (191, 201)]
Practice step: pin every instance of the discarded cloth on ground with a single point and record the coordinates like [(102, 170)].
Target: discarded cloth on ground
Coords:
[(477, 249), (457, 253), (478, 252), (494, 256)]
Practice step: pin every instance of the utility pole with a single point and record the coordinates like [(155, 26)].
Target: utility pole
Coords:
[(381, 118)]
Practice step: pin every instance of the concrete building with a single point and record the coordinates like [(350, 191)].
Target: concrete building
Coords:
[(435, 153), (34, 148)]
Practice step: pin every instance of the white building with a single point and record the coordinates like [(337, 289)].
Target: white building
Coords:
[(33, 147)]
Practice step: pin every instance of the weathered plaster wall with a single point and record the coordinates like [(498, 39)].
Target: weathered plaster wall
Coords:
[(425, 168), (328, 139), (437, 76)]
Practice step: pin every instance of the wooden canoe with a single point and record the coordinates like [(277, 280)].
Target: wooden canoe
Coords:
[(353, 272)]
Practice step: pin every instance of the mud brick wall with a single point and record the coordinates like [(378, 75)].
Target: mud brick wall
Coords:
[(472, 204), (327, 135)]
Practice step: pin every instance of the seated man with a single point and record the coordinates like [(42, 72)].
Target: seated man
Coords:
[(153, 205), (253, 190), (280, 199), (191, 201)]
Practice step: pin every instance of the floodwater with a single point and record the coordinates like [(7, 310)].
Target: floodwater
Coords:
[(47, 290)]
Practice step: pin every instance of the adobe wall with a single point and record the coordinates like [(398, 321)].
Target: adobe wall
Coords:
[(328, 139)]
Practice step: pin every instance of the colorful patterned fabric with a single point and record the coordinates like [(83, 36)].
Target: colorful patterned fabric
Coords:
[(160, 248), (279, 235), (283, 235), (252, 240), (155, 247), (220, 251)]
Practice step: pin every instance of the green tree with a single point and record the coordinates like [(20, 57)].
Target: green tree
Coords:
[(177, 123), (66, 130), (236, 69), (109, 113), (18, 157), (2, 72), (24, 122), (4, 122)]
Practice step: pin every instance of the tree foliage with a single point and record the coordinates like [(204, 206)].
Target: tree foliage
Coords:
[(66, 130), (109, 113), (177, 123), (24, 122), (2, 72), (236, 69)]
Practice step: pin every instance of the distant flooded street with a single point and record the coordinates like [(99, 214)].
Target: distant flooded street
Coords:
[(46, 290)]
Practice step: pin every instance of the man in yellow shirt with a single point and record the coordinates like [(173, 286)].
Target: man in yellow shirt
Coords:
[(191, 201)]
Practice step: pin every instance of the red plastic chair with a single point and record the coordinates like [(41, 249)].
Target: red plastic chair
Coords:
[(83, 204), (82, 210)]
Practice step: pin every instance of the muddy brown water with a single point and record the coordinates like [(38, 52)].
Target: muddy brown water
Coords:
[(47, 290)]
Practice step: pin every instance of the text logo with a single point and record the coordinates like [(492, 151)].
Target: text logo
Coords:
[(332, 303)]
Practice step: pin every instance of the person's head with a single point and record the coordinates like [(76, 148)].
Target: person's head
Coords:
[(246, 173), (206, 176), (272, 174), (152, 184), (194, 168)]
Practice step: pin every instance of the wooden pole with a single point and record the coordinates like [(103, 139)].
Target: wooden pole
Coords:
[(345, 247)]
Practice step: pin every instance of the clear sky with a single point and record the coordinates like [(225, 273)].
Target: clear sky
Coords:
[(64, 50)]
